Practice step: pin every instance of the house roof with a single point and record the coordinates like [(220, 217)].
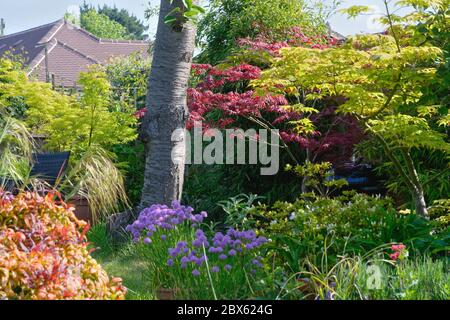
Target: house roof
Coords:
[(335, 34), (70, 50)]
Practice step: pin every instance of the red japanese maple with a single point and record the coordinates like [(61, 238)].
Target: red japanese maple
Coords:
[(225, 91)]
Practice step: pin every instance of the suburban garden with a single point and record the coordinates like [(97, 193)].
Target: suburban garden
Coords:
[(159, 229)]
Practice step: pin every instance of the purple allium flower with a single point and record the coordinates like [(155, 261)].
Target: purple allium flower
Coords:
[(218, 236), (199, 233), (257, 263), (181, 244), (215, 250), (173, 252), (162, 217), (195, 273), (221, 246), (184, 260), (199, 261), (226, 240), (215, 269), (237, 243), (197, 243)]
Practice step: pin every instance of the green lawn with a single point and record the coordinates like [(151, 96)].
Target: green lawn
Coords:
[(126, 261)]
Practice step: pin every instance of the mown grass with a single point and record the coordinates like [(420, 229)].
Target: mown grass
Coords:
[(126, 261)]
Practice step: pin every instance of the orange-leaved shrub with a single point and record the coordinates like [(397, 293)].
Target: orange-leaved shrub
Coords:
[(44, 252)]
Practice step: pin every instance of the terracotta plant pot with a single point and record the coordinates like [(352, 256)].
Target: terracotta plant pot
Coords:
[(82, 209), (165, 294)]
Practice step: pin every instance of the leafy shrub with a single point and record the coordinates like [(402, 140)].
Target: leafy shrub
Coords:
[(87, 127), (102, 26), (229, 20), (195, 264), (130, 162), (128, 77), (44, 253), (349, 224)]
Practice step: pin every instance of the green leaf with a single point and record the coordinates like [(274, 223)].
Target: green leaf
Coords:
[(170, 19), (200, 9), (355, 11)]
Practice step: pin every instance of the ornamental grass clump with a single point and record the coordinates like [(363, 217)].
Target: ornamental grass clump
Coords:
[(44, 253), (195, 264)]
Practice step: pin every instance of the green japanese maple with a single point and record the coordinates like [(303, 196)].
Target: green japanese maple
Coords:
[(381, 80), (77, 124), (86, 125)]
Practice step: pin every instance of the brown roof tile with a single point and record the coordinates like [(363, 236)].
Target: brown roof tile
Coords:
[(70, 50)]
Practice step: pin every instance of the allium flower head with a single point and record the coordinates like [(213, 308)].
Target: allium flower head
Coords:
[(215, 269), (162, 217)]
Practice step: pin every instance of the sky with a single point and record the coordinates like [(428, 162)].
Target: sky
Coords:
[(21, 15)]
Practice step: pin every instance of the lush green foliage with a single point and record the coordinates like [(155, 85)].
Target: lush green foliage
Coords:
[(130, 160), (351, 224), (318, 249), (226, 21), (45, 255), (432, 166), (70, 124), (188, 10), (75, 125), (84, 126), (383, 79), (102, 20), (102, 26), (128, 78), (135, 28)]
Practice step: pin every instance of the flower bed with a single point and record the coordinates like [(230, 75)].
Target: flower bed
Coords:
[(194, 263)]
